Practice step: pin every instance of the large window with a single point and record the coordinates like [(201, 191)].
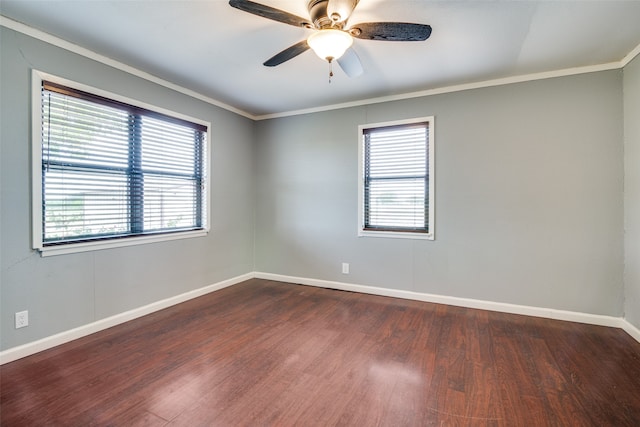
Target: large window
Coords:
[(108, 171), (396, 188)]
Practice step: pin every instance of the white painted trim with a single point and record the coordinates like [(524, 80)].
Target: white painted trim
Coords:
[(37, 78), (549, 313), (28, 349), (40, 76), (630, 57), (630, 329), (72, 47), (98, 245), (361, 232), (36, 160), (450, 89), (63, 337)]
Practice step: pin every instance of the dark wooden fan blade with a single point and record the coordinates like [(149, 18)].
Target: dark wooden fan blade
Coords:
[(287, 54), (340, 10), (269, 12), (350, 63), (391, 31)]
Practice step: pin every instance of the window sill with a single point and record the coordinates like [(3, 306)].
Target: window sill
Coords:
[(396, 235), (73, 248)]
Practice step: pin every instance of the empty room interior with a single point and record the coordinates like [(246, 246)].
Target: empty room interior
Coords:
[(320, 212)]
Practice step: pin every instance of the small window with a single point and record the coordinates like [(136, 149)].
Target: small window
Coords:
[(110, 172), (396, 188)]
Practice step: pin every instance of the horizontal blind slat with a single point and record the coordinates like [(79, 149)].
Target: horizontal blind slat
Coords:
[(104, 169), (395, 168)]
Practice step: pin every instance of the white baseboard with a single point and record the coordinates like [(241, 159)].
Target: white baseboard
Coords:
[(549, 313), (63, 337), (631, 330)]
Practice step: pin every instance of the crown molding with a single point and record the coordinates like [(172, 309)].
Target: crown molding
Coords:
[(630, 57), (450, 89), (72, 47)]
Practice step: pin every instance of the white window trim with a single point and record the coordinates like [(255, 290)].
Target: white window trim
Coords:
[(36, 173), (431, 144)]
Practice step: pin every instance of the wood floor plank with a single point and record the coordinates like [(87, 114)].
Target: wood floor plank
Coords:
[(265, 353)]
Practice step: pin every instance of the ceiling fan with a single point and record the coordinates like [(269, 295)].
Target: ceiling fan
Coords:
[(332, 38)]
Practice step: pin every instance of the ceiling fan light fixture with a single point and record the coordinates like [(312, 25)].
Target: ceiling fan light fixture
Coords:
[(330, 44)]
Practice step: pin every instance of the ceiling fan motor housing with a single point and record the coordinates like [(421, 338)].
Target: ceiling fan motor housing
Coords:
[(329, 19), (318, 13)]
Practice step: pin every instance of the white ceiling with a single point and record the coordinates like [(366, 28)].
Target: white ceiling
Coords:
[(216, 50)]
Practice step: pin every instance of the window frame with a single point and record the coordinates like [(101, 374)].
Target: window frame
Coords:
[(37, 221), (362, 232)]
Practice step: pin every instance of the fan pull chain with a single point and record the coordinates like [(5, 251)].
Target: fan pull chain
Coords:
[(330, 59)]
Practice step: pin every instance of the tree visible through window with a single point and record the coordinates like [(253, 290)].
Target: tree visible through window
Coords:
[(396, 183), (113, 170)]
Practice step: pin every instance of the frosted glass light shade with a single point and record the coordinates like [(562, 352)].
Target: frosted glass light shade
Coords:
[(330, 44)]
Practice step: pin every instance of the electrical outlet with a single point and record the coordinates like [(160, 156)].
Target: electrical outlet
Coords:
[(345, 268), (22, 319)]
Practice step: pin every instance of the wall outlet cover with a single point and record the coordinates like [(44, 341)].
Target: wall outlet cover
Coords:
[(22, 319), (345, 268)]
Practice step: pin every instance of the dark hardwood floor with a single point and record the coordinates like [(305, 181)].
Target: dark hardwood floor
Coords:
[(264, 353)]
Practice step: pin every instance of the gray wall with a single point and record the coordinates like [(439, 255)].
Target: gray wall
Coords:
[(631, 89), (529, 196), (67, 291), (529, 200)]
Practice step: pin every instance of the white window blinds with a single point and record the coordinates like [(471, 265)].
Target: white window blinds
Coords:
[(113, 170), (396, 178)]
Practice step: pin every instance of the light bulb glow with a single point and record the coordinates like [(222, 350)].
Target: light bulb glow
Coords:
[(330, 44)]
